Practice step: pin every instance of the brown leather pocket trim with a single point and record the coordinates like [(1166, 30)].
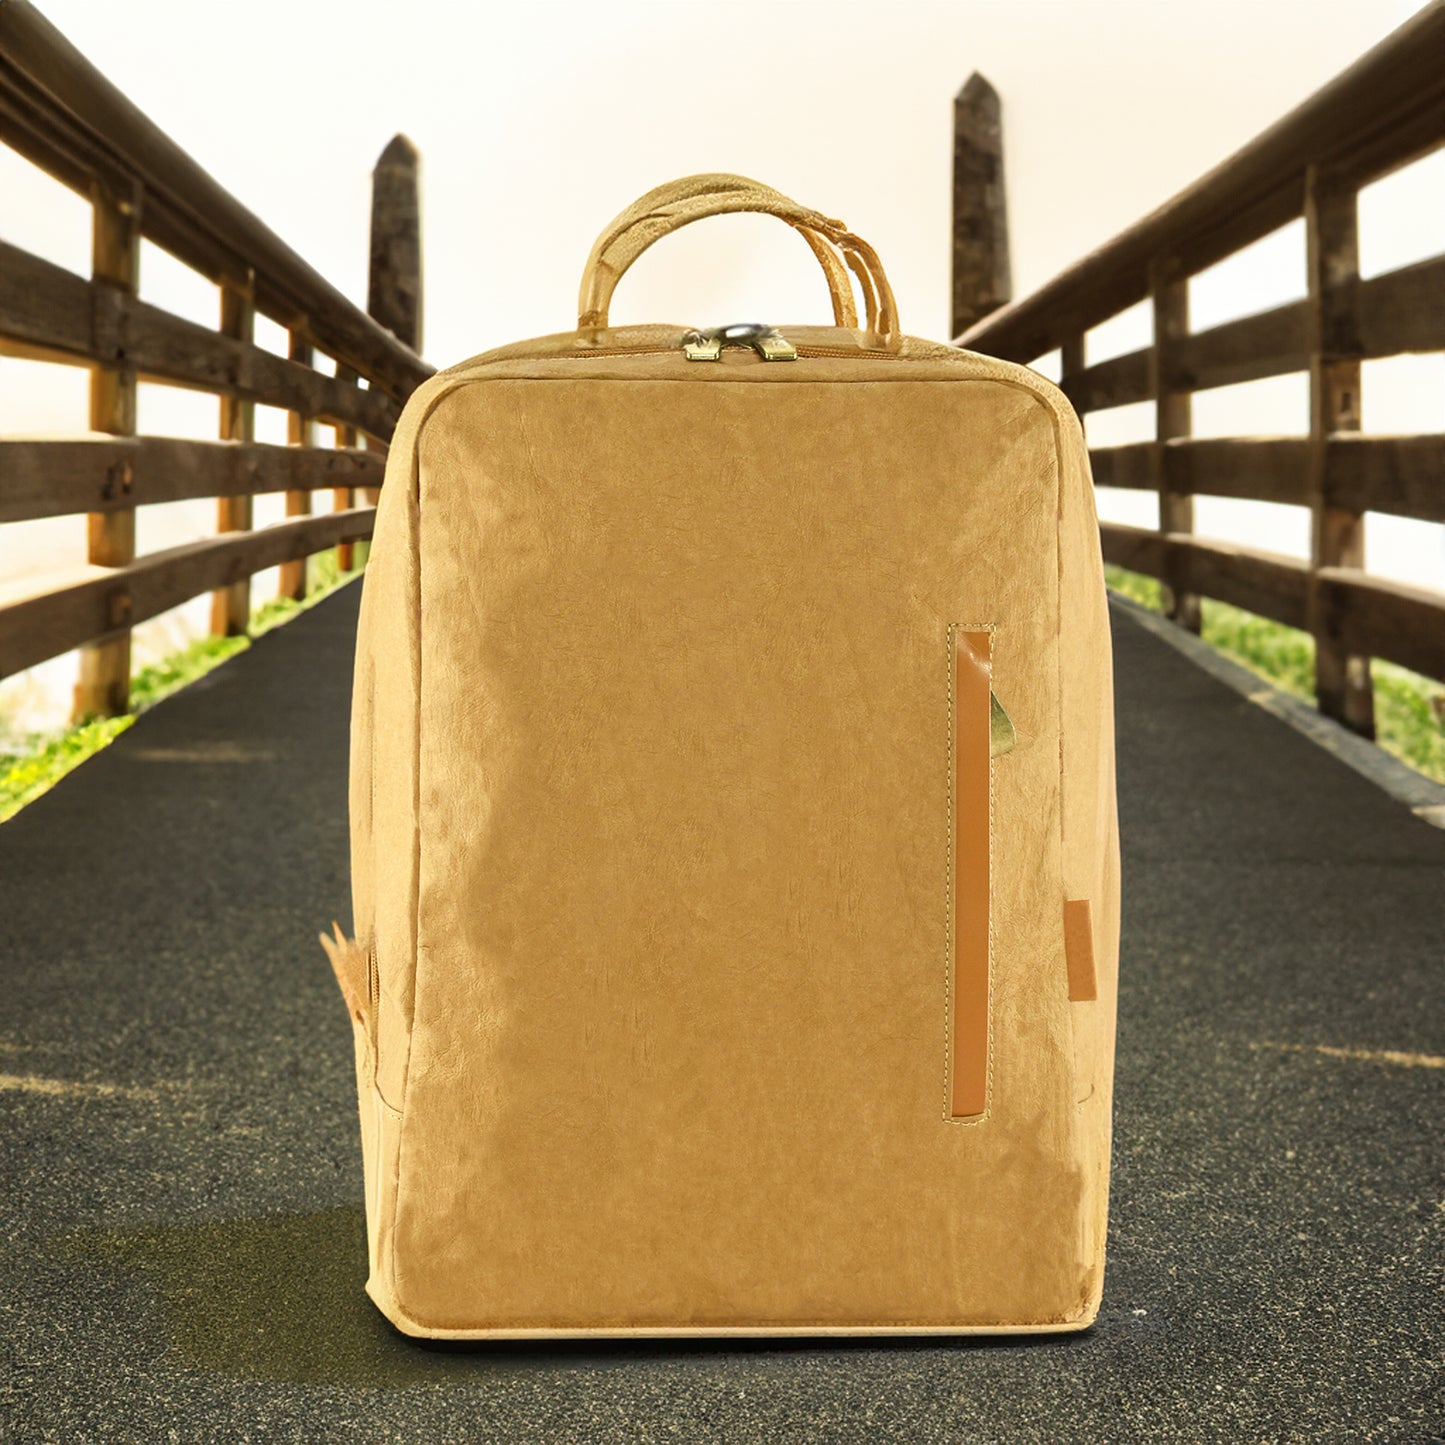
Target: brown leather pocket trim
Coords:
[(970, 827), (1079, 950)]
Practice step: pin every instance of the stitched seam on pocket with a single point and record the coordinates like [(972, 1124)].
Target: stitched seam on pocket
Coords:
[(950, 886)]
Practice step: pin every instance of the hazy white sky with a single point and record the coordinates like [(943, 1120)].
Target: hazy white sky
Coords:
[(538, 121)]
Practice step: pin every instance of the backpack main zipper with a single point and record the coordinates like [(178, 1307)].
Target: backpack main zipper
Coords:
[(803, 350)]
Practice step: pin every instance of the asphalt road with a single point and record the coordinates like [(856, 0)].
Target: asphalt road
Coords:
[(181, 1237)]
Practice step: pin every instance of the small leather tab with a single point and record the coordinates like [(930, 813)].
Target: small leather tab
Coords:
[(1079, 950)]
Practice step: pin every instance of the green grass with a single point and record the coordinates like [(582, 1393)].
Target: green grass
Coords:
[(31, 765), (1409, 709)]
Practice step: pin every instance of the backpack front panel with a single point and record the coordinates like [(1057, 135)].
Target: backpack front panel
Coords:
[(696, 778)]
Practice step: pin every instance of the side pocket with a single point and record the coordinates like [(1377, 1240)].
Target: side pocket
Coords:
[(972, 728)]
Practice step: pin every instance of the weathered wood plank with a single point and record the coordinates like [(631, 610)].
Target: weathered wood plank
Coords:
[(1401, 475), (167, 348), (1173, 419), (32, 131), (102, 687), (1139, 549), (1130, 466), (1118, 381), (48, 311), (40, 627), (300, 432), (1268, 343), (56, 478), (1262, 469), (1267, 583), (231, 605), (1403, 310), (1373, 617), (1363, 615), (1343, 689), (44, 307), (343, 497)]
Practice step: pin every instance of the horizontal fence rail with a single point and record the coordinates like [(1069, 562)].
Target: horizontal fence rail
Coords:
[(50, 314), (102, 474), (58, 112), (56, 621), (1386, 111)]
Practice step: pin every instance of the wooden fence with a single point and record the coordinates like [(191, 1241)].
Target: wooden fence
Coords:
[(1385, 111), (60, 113)]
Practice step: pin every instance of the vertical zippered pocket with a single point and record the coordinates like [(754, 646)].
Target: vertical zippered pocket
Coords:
[(971, 730)]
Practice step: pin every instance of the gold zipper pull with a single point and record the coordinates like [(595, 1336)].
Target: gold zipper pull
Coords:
[(699, 347), (706, 344), (772, 345)]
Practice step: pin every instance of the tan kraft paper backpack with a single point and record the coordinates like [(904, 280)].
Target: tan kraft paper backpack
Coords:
[(734, 856)]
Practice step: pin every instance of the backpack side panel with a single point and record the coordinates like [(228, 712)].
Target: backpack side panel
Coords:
[(382, 793), (1089, 815)]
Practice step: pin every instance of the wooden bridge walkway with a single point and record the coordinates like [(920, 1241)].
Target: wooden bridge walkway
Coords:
[(181, 1232), (182, 1223)]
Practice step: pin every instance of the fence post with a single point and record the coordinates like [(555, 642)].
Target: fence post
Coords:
[(344, 497), (103, 686), (394, 291), (300, 432), (231, 606), (1173, 417), (981, 272), (1071, 363), (1343, 688)]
